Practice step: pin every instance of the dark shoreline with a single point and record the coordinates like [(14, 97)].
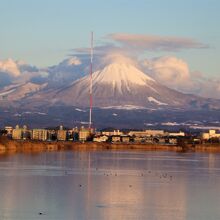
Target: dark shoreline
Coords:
[(7, 145)]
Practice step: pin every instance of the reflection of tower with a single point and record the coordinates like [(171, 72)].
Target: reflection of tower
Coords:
[(89, 187), (90, 87), (90, 119)]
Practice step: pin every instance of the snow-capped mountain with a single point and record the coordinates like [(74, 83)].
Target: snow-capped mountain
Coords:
[(118, 85), (121, 84), (123, 95)]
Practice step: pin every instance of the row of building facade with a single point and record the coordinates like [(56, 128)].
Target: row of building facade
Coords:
[(61, 134), (86, 134)]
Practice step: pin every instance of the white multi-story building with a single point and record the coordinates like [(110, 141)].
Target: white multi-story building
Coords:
[(147, 133), (112, 133), (176, 134)]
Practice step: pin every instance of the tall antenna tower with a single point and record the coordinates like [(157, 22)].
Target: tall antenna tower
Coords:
[(90, 87)]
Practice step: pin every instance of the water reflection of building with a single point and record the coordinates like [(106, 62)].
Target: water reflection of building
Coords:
[(211, 161)]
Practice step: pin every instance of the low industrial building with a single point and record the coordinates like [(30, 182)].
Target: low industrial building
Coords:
[(125, 139), (100, 138), (139, 139), (116, 138), (173, 140)]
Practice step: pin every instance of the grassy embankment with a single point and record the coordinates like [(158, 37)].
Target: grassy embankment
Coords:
[(7, 145)]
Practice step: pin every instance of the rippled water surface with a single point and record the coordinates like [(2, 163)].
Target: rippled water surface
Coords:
[(111, 185)]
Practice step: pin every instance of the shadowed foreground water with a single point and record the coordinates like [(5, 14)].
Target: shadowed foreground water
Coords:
[(110, 185)]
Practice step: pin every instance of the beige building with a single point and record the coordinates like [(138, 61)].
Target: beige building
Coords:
[(102, 138), (39, 134), (20, 133), (125, 139), (61, 134), (116, 138), (210, 134), (139, 139), (17, 133), (173, 141), (84, 133)]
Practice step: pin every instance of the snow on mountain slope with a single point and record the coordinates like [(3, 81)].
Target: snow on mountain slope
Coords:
[(124, 107), (7, 92), (19, 91), (152, 99)]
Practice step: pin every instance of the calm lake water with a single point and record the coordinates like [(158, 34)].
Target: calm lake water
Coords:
[(110, 185)]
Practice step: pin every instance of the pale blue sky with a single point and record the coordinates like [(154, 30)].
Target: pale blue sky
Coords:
[(42, 32)]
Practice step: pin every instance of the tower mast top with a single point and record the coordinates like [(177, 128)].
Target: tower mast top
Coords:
[(90, 87)]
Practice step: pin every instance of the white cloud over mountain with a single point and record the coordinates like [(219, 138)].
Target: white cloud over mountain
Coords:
[(137, 44), (175, 73), (171, 71), (16, 72), (10, 67), (72, 61), (206, 87), (16, 68), (154, 43)]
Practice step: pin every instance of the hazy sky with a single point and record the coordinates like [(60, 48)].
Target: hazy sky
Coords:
[(42, 32)]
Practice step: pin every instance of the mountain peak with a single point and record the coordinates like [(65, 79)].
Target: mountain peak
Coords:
[(119, 73)]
